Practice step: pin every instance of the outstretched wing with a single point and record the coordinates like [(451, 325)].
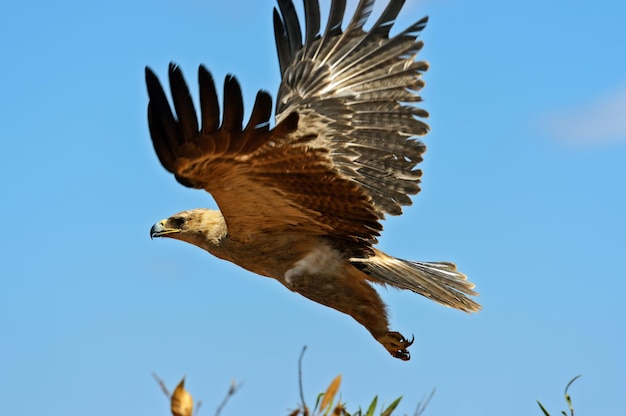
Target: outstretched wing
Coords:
[(264, 181), (354, 90), (341, 153)]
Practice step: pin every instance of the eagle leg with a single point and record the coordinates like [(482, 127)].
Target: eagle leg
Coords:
[(347, 290)]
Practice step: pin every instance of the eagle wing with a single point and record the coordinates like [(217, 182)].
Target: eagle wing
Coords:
[(354, 88), (341, 154)]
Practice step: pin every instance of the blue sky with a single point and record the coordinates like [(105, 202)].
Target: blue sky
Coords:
[(523, 188)]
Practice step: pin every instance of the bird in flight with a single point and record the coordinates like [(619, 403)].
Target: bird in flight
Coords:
[(302, 202)]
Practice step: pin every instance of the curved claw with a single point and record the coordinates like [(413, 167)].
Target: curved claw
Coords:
[(397, 345)]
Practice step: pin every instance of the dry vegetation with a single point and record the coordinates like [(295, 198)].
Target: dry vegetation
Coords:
[(326, 404)]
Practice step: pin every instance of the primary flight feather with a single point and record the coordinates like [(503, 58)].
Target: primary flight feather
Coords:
[(302, 202)]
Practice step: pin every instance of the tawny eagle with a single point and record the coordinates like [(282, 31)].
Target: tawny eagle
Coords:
[(302, 202)]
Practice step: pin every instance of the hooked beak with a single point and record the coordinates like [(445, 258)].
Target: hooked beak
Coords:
[(160, 229)]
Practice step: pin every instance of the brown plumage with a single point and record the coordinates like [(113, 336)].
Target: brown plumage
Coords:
[(302, 202)]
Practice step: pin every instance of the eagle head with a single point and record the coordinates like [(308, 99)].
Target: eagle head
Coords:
[(200, 227)]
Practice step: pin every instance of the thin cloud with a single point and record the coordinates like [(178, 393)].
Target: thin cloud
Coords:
[(600, 121)]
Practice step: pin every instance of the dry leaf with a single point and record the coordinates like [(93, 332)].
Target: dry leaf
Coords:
[(181, 402), (331, 391)]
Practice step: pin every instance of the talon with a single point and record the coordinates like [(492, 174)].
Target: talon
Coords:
[(404, 355), (397, 345)]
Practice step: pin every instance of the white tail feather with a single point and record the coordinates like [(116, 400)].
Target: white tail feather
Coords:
[(441, 282)]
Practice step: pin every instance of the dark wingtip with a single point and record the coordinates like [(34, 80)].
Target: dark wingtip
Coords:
[(161, 122), (261, 112), (233, 104), (288, 125), (183, 103), (209, 106), (152, 81)]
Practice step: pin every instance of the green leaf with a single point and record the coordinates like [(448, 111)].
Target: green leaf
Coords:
[(317, 402), (571, 381), (568, 398), (391, 407), (370, 410), (543, 409)]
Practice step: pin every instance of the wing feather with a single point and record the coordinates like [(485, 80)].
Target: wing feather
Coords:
[(292, 32), (355, 94), (261, 112), (282, 44), (161, 122), (182, 103), (361, 14), (312, 16), (335, 19), (233, 105), (385, 22), (333, 26), (209, 106)]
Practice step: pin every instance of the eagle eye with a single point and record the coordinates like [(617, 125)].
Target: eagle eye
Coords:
[(177, 222)]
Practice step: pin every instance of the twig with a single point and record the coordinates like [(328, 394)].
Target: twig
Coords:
[(162, 384), (304, 408), (234, 387), (197, 410), (421, 406)]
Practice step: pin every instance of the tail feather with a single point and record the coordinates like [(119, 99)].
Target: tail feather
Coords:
[(440, 282)]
